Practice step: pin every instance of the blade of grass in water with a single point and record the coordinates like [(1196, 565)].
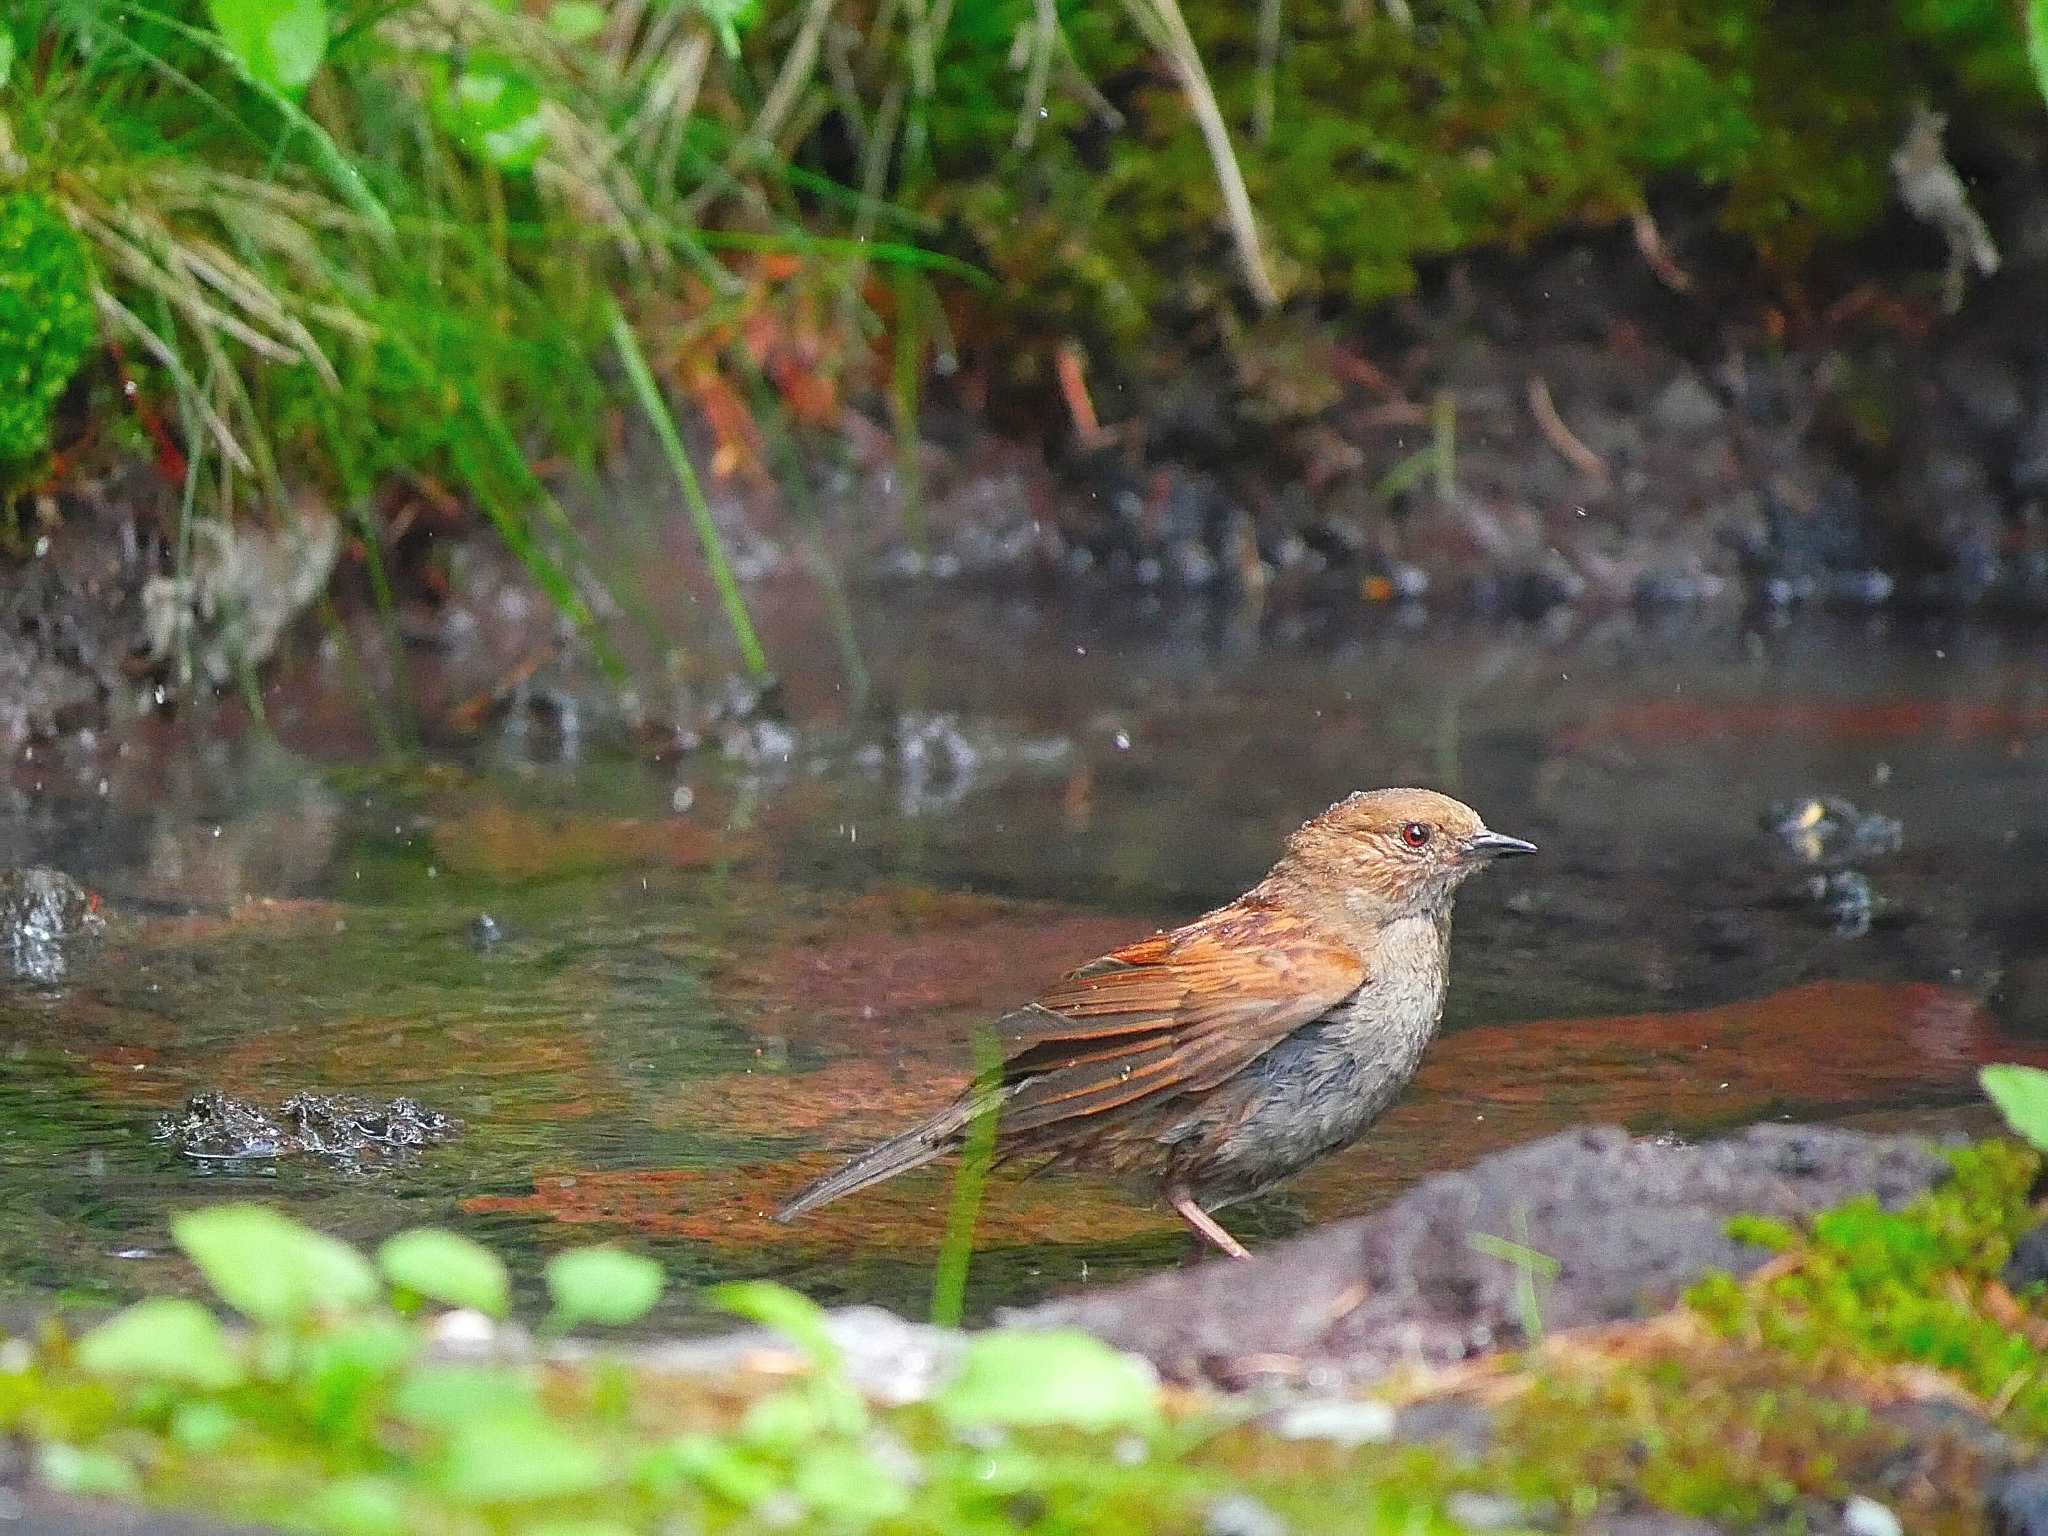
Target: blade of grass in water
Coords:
[(905, 378), (949, 1280), (797, 487), (648, 393)]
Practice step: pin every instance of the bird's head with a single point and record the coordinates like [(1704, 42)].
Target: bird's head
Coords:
[(1395, 851)]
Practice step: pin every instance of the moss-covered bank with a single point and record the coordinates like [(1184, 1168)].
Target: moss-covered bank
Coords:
[(1880, 1356)]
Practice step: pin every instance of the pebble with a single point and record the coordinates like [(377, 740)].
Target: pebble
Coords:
[(1239, 1514), (1863, 1516), (1338, 1420)]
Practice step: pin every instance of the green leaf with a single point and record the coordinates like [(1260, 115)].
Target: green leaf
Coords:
[(713, 1464), (361, 1506), (797, 1318), (444, 1267), (603, 1285), (493, 109), (279, 42), (2037, 42), (6, 58), (203, 1425), (848, 1487), (269, 1267), (2021, 1094), (575, 21), (163, 1339), (1061, 1377), (729, 18), (448, 1396), (89, 1473), (338, 1372), (517, 1458)]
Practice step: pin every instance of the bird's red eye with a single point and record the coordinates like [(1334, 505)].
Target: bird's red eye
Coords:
[(1416, 834)]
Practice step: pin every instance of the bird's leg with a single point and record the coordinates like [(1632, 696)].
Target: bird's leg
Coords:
[(1205, 1225)]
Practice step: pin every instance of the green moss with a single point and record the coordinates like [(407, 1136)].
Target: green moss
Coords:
[(1876, 1287), (1480, 126), (46, 322)]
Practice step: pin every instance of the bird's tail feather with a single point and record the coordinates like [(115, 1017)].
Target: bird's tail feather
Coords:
[(899, 1154)]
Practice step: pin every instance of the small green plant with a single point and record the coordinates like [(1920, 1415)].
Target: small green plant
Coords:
[(332, 1410), (1868, 1285)]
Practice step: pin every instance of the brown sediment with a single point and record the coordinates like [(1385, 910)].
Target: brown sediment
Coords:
[(1809, 1049), (731, 1207), (497, 841), (1806, 1050), (926, 975), (1663, 722)]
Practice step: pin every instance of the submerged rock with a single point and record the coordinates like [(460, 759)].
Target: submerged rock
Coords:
[(43, 912), (1828, 834), (347, 1128), (1848, 899), (1826, 829)]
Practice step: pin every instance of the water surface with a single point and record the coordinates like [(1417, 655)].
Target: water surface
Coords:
[(720, 968)]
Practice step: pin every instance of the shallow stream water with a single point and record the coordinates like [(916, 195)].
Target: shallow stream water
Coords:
[(707, 973)]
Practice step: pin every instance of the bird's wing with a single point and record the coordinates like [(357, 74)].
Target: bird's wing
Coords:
[(1176, 1013)]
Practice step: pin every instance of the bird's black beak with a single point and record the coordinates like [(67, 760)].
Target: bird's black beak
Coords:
[(1495, 845)]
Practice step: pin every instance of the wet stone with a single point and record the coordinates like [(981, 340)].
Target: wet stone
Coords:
[(2028, 1264), (1848, 900), (1634, 1223), (344, 1125), (213, 1127), (1828, 830), (43, 913), (346, 1128), (2018, 1502)]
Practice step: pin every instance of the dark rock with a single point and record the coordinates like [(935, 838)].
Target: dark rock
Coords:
[(214, 1127), (43, 913), (343, 1127), (2017, 1504), (485, 932), (2028, 1264), (1454, 1423), (1631, 1224)]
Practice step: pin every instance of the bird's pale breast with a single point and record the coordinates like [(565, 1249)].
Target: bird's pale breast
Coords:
[(1325, 1084)]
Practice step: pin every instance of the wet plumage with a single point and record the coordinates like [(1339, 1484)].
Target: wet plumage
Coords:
[(1215, 1060)]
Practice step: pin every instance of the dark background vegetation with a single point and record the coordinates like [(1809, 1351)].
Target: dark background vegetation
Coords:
[(262, 255)]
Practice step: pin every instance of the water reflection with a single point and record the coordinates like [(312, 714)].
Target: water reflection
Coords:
[(715, 968)]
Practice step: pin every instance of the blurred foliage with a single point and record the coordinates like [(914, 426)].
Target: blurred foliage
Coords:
[(46, 323), (329, 1407), (374, 244), (1472, 125)]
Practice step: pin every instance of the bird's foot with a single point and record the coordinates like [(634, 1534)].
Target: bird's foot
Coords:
[(1205, 1226)]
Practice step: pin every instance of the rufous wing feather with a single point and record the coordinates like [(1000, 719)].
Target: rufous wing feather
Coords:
[(1176, 1013)]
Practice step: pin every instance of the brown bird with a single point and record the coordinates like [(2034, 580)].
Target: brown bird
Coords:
[(1214, 1061)]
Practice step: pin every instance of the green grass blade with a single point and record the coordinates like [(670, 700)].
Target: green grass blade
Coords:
[(339, 169), (949, 1280), (648, 393)]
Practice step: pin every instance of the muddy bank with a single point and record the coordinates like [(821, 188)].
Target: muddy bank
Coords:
[(1568, 430), (1563, 431)]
